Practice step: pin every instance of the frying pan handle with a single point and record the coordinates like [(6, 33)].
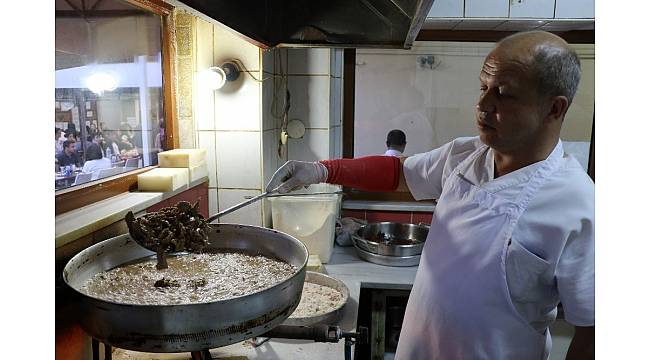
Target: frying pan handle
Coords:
[(317, 333)]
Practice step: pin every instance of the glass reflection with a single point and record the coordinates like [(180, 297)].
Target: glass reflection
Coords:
[(108, 91)]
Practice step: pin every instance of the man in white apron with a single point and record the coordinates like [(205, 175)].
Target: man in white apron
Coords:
[(513, 230)]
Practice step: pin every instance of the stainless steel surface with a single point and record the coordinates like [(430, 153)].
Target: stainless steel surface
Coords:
[(388, 260), (398, 239), (327, 318), (192, 327), (334, 23)]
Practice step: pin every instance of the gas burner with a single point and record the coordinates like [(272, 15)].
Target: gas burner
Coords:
[(317, 333)]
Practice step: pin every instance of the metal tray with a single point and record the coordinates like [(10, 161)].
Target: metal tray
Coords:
[(328, 318), (386, 260)]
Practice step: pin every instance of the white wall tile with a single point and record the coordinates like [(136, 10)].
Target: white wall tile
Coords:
[(486, 8), (269, 153), (229, 45), (239, 159), (314, 146), (204, 44), (203, 103), (206, 140), (574, 9), (268, 57), (313, 61), (336, 100), (541, 9), (266, 213), (446, 8), (213, 205), (272, 91), (310, 100), (336, 62), (336, 150), (250, 215), (237, 105)]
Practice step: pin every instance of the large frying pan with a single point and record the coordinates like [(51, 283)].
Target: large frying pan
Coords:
[(192, 327)]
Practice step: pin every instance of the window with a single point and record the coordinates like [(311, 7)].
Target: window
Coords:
[(109, 110), (114, 78)]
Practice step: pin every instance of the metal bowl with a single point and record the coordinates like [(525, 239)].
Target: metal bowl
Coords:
[(188, 327), (386, 260), (329, 317), (392, 238)]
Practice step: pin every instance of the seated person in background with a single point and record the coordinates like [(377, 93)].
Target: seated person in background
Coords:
[(127, 149), (59, 138), (125, 143), (111, 144), (396, 143), (99, 140), (69, 155), (94, 159)]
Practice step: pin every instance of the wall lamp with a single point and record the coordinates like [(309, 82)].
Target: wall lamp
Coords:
[(217, 76)]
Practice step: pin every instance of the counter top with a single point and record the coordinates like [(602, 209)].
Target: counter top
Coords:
[(74, 224), (345, 266), (419, 206)]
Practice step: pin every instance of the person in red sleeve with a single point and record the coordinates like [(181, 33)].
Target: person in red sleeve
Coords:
[(512, 234)]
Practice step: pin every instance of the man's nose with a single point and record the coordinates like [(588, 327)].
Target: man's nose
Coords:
[(485, 102)]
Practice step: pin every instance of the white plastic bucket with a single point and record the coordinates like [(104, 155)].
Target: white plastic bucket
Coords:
[(310, 219)]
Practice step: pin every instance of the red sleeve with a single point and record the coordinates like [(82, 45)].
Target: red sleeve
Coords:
[(369, 173)]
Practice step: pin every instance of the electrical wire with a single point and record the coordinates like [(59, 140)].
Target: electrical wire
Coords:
[(241, 65)]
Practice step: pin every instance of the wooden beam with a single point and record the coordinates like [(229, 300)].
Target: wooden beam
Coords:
[(74, 198)]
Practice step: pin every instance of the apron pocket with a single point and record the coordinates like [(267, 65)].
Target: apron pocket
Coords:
[(523, 273)]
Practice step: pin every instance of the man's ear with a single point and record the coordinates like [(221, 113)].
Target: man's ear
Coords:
[(558, 106)]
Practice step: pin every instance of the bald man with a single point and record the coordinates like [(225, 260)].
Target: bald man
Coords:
[(512, 234)]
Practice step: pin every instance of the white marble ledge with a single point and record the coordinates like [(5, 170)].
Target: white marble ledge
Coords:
[(420, 206), (80, 222)]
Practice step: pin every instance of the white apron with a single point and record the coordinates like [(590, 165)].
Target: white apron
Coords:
[(460, 306)]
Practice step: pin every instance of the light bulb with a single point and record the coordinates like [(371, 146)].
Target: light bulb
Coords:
[(214, 77)]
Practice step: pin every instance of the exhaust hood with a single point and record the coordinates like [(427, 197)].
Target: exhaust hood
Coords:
[(332, 23)]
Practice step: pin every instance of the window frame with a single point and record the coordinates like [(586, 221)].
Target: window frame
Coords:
[(76, 197)]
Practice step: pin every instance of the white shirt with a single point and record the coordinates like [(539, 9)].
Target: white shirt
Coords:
[(551, 255), (92, 165), (391, 152)]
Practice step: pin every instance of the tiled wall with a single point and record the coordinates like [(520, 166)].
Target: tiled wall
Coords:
[(314, 79), (395, 216), (240, 124), (315, 83), (225, 122)]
